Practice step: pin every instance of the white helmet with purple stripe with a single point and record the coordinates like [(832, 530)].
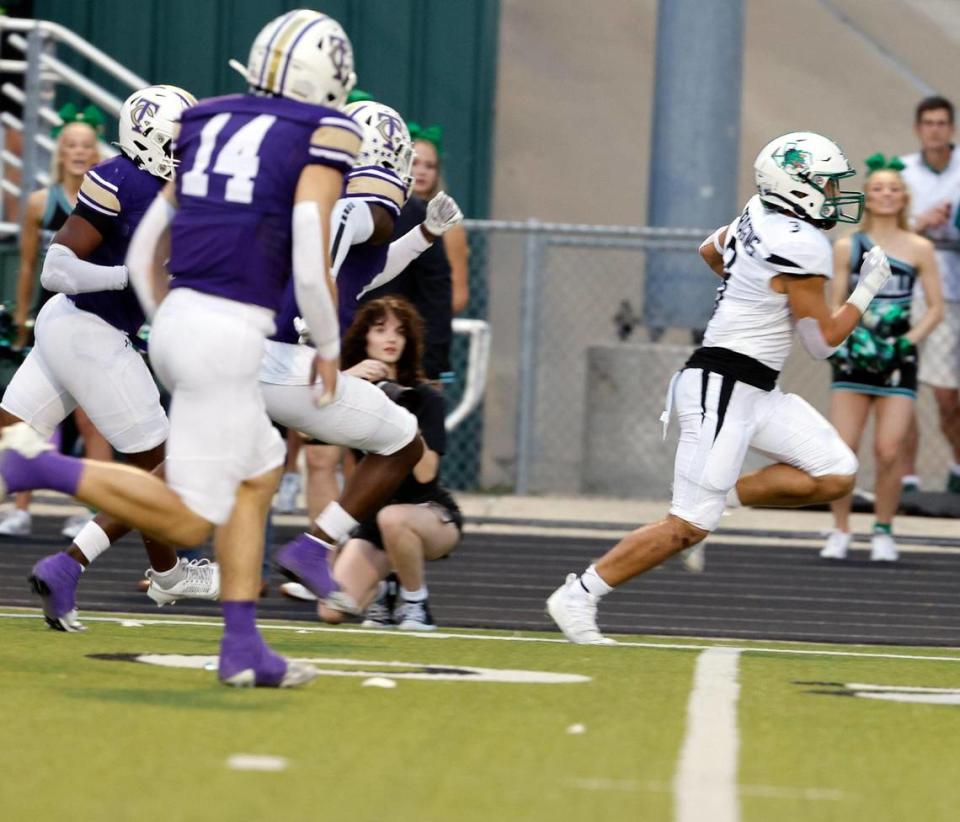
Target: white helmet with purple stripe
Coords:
[(303, 55), (386, 138), (148, 119)]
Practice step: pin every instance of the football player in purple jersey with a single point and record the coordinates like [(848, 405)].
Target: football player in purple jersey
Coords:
[(258, 176), (361, 416), (86, 352)]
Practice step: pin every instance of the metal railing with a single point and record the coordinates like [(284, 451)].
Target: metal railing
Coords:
[(43, 72)]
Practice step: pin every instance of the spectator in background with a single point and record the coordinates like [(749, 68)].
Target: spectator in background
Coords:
[(422, 521), (875, 369), (437, 282), (47, 210), (933, 178)]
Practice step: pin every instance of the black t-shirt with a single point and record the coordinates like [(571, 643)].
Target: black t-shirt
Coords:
[(426, 283)]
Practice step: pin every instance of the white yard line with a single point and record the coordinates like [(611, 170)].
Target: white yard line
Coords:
[(695, 645), (705, 785)]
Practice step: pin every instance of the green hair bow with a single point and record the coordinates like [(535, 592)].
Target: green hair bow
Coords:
[(877, 162), (359, 96), (432, 134), (69, 113)]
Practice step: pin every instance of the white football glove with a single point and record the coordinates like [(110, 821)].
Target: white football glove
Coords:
[(303, 331), (443, 213), (874, 274)]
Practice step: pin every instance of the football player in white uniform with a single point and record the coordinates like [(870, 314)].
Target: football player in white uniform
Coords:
[(775, 262)]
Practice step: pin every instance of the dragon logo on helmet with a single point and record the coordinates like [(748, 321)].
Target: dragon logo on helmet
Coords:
[(793, 160)]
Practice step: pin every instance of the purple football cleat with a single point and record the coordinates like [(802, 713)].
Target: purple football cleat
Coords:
[(305, 560), (55, 579), (247, 662)]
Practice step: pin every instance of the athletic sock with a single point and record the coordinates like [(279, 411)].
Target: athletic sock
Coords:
[(910, 479), (240, 618), (46, 470), (91, 541), (414, 596), (336, 522), (883, 528), (592, 583)]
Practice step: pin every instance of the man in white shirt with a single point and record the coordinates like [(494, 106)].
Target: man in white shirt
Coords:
[(933, 177)]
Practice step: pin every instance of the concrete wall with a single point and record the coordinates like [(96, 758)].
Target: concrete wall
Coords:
[(574, 94)]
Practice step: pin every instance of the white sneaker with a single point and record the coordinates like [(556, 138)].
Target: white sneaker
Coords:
[(295, 590), (883, 548), (838, 543), (286, 502), (16, 523), (199, 579), (576, 614), (694, 559), (73, 525)]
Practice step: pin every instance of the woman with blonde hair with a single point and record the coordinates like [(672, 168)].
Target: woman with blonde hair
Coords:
[(78, 150), (876, 368)]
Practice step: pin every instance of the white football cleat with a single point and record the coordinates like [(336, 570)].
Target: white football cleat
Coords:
[(883, 548), (838, 543), (575, 613), (287, 494), (199, 579), (16, 523), (295, 590)]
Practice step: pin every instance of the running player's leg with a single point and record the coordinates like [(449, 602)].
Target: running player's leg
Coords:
[(812, 464), (361, 417), (716, 417)]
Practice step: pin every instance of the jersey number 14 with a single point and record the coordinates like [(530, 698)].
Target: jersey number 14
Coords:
[(237, 159)]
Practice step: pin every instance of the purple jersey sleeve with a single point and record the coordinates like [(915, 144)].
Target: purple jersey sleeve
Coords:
[(113, 198), (240, 159), (378, 186)]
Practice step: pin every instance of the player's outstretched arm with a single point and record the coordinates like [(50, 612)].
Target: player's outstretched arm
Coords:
[(150, 249), (711, 250), (317, 191), (822, 330), (443, 213), (65, 268)]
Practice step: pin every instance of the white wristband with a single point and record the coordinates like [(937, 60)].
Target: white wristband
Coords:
[(861, 298)]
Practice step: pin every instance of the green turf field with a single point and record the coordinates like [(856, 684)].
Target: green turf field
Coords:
[(91, 735)]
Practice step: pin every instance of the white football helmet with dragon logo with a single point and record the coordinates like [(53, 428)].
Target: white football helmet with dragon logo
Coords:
[(303, 55), (148, 119), (386, 138), (800, 173)]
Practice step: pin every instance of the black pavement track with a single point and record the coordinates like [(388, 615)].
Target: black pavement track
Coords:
[(501, 581)]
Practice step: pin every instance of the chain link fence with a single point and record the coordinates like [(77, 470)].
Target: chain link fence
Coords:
[(578, 381)]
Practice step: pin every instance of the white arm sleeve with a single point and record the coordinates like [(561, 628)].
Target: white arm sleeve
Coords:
[(65, 272), (140, 253), (351, 223), (812, 338), (313, 297), (400, 254)]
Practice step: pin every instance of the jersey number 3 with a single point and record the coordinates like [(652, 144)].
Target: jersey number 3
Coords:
[(238, 158)]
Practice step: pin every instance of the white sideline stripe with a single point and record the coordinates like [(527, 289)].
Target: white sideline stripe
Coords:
[(30, 613), (705, 785)]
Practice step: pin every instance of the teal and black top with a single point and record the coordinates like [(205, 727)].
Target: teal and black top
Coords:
[(876, 359), (54, 216)]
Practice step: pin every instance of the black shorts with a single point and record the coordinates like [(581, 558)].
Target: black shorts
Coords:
[(370, 531)]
